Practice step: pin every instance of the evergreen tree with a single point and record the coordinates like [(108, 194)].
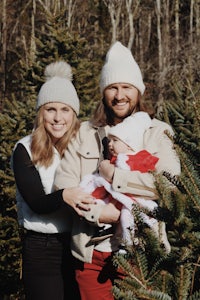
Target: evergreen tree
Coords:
[(15, 122), (53, 43), (150, 273)]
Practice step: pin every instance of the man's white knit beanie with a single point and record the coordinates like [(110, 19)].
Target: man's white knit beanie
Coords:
[(58, 86), (132, 129), (121, 67)]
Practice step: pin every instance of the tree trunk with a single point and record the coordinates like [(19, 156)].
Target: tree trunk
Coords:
[(130, 19), (160, 50), (33, 45), (166, 36), (71, 8), (114, 8), (177, 25), (191, 21), (160, 56), (197, 20), (4, 49)]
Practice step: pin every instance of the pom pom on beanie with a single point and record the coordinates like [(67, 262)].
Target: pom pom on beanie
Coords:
[(121, 67), (58, 86)]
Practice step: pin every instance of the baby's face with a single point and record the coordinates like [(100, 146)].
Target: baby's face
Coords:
[(117, 146)]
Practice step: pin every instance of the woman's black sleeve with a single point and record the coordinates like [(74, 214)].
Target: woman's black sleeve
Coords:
[(30, 185)]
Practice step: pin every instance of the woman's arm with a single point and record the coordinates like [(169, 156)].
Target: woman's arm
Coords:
[(30, 186)]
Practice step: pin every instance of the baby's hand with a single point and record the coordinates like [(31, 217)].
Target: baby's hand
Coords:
[(106, 170), (110, 213)]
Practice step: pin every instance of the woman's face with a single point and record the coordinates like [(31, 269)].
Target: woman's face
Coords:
[(58, 118), (121, 99)]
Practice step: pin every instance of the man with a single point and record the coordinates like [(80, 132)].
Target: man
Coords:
[(121, 87)]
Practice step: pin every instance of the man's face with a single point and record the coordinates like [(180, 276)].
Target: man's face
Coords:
[(121, 99)]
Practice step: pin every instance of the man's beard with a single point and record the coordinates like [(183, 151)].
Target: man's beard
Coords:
[(111, 114), (120, 117)]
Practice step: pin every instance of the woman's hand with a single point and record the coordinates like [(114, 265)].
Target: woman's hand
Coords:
[(110, 214), (106, 170), (78, 199)]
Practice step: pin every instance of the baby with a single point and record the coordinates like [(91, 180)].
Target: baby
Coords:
[(126, 148)]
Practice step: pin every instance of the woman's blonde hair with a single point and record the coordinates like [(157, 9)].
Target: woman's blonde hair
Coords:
[(41, 144)]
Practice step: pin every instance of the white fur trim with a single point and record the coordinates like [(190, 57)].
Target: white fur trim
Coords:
[(121, 161)]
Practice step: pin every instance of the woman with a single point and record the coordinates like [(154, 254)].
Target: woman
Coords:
[(47, 268), (121, 87)]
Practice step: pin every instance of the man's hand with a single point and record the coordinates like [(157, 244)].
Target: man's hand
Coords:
[(110, 214)]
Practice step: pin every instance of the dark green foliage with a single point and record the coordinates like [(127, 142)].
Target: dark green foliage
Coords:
[(150, 273), (56, 43), (10, 261), (15, 122), (140, 283)]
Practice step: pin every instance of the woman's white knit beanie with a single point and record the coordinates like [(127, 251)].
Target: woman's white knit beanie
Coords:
[(58, 86), (131, 130), (121, 67)]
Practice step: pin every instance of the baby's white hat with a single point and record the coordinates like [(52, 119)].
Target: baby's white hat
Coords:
[(131, 130), (58, 86), (121, 67)]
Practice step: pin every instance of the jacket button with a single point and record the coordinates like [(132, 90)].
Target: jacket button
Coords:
[(119, 187), (88, 153), (92, 217)]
